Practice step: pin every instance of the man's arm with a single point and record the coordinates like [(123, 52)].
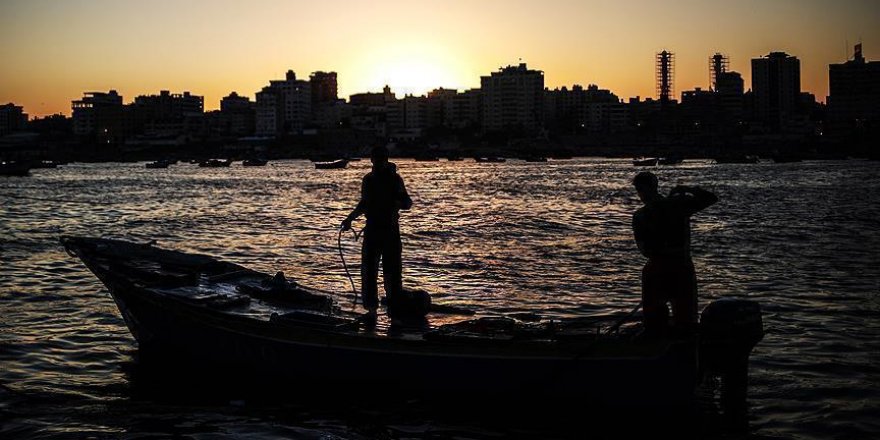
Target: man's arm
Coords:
[(358, 210), (695, 199), (404, 202), (638, 225)]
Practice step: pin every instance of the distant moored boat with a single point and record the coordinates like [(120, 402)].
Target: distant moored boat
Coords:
[(335, 164), (670, 160), (490, 159), (535, 159), (645, 162), (43, 164), (736, 159), (255, 162), (159, 164), (14, 169), (215, 163)]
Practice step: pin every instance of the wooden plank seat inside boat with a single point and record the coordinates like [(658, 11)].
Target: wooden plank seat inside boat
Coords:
[(494, 329), (220, 300), (312, 320), (286, 294), (504, 329), (152, 274)]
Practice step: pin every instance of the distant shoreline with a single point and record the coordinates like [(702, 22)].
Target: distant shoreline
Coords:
[(280, 150)]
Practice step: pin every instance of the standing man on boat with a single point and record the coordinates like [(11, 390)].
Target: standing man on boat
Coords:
[(383, 195), (663, 234)]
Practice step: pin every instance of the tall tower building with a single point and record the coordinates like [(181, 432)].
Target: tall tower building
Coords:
[(729, 87), (854, 94), (12, 118), (718, 65), (776, 84), (284, 107), (513, 97), (324, 87), (665, 76), (99, 114)]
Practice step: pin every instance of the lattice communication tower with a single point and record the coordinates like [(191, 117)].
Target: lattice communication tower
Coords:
[(665, 72)]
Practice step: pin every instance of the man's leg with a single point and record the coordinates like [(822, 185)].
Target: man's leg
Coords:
[(656, 313), (370, 252), (392, 265), (684, 297)]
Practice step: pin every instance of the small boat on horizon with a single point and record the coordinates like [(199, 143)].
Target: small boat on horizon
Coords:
[(215, 163), (490, 159), (255, 162), (43, 164), (14, 169), (535, 159), (737, 159), (158, 164), (645, 161), (331, 165), (670, 160)]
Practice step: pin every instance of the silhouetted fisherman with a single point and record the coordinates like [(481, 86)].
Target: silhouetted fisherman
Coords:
[(663, 233), (383, 194)]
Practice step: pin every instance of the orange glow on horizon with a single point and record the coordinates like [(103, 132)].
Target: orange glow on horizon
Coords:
[(55, 51)]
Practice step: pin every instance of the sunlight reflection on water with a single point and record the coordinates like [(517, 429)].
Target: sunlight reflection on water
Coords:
[(550, 238)]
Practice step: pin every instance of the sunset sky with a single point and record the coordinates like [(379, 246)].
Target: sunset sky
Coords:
[(53, 50)]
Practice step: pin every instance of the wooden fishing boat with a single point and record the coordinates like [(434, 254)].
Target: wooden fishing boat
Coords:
[(645, 162), (43, 164), (332, 165), (670, 160), (215, 163), (490, 159), (198, 310), (737, 159), (158, 164), (256, 162), (14, 169)]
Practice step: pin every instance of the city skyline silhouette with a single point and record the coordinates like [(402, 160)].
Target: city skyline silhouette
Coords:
[(212, 49)]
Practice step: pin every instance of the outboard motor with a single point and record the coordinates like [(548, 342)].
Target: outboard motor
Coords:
[(729, 330)]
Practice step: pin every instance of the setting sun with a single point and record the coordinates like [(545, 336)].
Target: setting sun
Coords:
[(413, 69)]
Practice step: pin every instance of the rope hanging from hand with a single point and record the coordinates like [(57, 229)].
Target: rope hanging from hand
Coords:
[(357, 236)]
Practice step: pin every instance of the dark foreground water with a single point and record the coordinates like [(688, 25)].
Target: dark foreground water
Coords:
[(802, 239)]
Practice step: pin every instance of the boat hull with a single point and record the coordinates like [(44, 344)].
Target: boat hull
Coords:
[(353, 363), (173, 330)]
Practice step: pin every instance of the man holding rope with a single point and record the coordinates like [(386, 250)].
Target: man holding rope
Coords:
[(383, 195)]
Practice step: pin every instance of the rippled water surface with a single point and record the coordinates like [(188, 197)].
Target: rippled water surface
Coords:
[(803, 239)]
